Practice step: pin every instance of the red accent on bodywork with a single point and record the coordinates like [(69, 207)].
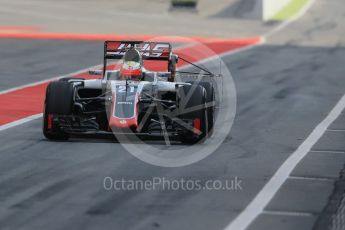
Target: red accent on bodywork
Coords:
[(128, 73), (145, 48), (50, 121), (123, 123), (197, 124)]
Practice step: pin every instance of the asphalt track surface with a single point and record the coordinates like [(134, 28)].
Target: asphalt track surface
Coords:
[(284, 89)]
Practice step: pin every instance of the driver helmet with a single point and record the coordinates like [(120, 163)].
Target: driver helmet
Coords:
[(132, 65)]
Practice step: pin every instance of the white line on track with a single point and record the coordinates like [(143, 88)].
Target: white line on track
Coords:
[(336, 130), (257, 205), (19, 122), (286, 213), (311, 178), (261, 200), (327, 151), (49, 79)]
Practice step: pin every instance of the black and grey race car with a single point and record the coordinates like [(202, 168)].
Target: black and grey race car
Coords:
[(130, 100)]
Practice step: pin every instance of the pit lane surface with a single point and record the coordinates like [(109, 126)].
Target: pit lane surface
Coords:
[(285, 88)]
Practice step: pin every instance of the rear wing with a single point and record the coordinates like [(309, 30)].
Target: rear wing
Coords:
[(148, 50)]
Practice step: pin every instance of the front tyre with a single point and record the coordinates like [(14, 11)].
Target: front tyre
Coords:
[(58, 102)]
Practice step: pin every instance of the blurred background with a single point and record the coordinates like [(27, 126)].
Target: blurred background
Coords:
[(287, 61)]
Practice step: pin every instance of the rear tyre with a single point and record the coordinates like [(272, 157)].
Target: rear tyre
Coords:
[(193, 109), (58, 102), (211, 102)]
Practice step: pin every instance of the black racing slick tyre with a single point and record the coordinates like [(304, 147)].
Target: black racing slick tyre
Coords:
[(58, 102), (211, 101), (192, 107)]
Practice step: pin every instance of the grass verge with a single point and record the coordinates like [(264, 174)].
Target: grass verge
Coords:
[(291, 9)]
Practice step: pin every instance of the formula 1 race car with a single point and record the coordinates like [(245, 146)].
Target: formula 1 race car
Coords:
[(130, 100)]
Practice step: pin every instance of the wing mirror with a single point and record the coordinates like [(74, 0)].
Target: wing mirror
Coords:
[(95, 72)]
